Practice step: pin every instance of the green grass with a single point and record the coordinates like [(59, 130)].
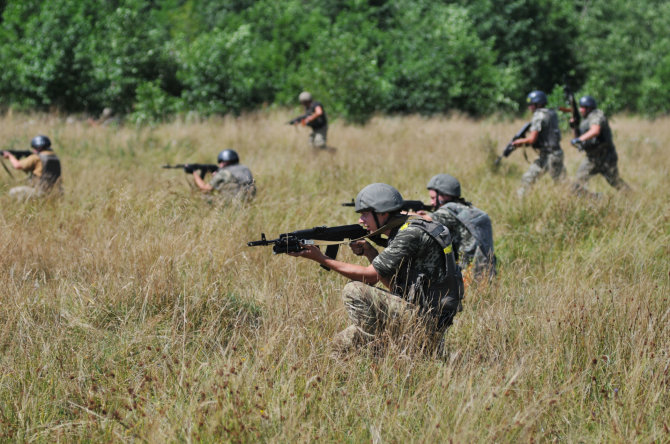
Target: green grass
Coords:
[(131, 308)]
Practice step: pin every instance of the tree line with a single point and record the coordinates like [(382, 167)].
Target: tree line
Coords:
[(152, 59)]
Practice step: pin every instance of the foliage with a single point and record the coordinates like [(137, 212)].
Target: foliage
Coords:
[(358, 57)]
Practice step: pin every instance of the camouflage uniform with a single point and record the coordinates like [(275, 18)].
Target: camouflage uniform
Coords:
[(601, 156), (426, 286), (319, 126), (545, 121), (234, 181), (467, 248), (45, 170)]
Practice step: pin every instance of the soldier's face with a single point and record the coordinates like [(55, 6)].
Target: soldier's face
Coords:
[(434, 198), (367, 219), (583, 111)]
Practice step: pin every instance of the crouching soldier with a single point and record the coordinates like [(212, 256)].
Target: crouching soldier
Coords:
[(43, 168), (425, 286), (231, 180), (470, 227)]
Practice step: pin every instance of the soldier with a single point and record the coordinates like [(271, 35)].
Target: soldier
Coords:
[(596, 140), (230, 180), (315, 118), (470, 227), (545, 137), (42, 166), (417, 266)]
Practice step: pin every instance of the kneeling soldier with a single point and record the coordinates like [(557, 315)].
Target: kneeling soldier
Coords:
[(231, 180), (42, 166), (470, 227), (417, 266)]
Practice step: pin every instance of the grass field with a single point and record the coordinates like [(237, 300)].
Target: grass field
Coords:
[(132, 310)]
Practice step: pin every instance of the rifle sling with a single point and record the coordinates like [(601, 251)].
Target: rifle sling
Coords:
[(6, 169)]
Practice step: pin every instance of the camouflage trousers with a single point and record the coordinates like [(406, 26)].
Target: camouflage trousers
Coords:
[(238, 192), (606, 166), (25, 192), (317, 139), (375, 312), (551, 162)]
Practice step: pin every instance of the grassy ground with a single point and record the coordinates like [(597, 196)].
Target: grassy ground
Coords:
[(131, 308)]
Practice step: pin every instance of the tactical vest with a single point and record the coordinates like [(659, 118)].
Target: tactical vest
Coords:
[(320, 121), (550, 136), (477, 222), (50, 170), (241, 174), (444, 298)]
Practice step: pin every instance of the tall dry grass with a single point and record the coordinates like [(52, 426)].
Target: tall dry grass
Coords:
[(131, 308)]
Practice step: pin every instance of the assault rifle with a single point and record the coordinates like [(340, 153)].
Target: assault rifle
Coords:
[(510, 148), (294, 241), (18, 153), (191, 167), (572, 108), (407, 205), (297, 119)]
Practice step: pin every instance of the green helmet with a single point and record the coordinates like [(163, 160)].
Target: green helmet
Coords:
[(305, 97), (378, 197), (445, 184)]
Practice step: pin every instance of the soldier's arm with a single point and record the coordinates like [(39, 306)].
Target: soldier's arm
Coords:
[(13, 160), (367, 275), (531, 139), (594, 131), (204, 186), (318, 111)]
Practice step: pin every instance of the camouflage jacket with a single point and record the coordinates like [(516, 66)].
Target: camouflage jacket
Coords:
[(602, 145), (545, 122), (232, 180), (415, 264)]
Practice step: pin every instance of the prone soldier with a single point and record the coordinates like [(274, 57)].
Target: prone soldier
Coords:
[(545, 137), (595, 138), (43, 167), (417, 266)]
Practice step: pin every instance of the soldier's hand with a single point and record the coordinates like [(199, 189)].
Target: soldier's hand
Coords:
[(303, 122), (5, 154), (309, 252), (362, 248)]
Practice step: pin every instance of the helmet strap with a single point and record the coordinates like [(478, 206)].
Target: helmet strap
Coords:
[(374, 215)]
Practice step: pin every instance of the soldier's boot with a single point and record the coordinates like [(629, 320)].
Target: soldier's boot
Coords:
[(350, 339)]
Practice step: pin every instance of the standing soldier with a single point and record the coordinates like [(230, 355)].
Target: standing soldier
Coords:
[(42, 166), (470, 227), (417, 266), (596, 140), (544, 137), (315, 118), (231, 180)]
